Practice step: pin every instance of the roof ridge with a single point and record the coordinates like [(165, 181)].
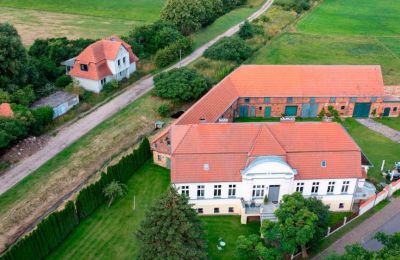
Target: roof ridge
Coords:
[(183, 137), (276, 140), (253, 144)]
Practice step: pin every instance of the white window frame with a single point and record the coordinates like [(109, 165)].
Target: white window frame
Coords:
[(315, 187), (258, 191), (217, 191), (300, 187), (185, 190), (345, 186), (331, 187), (232, 191), (200, 191)]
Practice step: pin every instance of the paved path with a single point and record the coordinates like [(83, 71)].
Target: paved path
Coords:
[(73, 132), (380, 221), (381, 128)]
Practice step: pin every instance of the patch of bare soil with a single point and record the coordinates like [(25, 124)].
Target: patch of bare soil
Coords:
[(24, 148)]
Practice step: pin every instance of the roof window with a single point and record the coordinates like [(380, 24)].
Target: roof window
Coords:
[(206, 167), (323, 164)]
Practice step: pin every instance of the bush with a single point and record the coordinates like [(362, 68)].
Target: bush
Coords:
[(63, 81), (46, 90), (181, 84), (43, 117), (297, 5), (24, 96), (172, 53), (163, 110), (229, 48), (111, 86), (148, 39), (246, 30), (10, 131), (4, 97)]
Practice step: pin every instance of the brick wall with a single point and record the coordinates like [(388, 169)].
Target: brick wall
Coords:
[(392, 90)]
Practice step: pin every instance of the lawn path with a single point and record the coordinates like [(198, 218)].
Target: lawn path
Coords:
[(70, 133), (363, 232), (384, 130)]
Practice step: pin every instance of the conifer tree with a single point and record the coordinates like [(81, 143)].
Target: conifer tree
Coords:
[(171, 230)]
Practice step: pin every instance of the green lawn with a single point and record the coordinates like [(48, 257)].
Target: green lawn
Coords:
[(228, 228), (375, 146), (138, 10), (393, 122), (109, 232), (225, 22), (338, 217)]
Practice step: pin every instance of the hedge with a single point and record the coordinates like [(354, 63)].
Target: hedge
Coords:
[(230, 49), (52, 231)]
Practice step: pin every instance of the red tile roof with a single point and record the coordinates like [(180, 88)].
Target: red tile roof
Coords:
[(5, 110), (286, 81), (96, 56), (228, 149)]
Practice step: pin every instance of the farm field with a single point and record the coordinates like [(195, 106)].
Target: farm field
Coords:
[(341, 32), (98, 19)]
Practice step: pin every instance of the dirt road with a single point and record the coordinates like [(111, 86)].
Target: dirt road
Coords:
[(73, 132)]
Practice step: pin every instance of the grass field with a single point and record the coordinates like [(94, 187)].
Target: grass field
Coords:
[(390, 122), (97, 19), (109, 232), (330, 35), (375, 146)]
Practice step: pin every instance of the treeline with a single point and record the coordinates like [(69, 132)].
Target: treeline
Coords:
[(53, 230), (191, 15)]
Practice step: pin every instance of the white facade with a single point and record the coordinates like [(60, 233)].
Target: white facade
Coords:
[(120, 68), (272, 177)]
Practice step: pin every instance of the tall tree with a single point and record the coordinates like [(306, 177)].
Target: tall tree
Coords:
[(171, 230), (13, 58), (296, 225)]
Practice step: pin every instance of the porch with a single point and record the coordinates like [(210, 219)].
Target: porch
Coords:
[(259, 209)]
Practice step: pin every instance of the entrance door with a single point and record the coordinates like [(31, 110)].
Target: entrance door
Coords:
[(290, 110), (267, 112), (273, 193), (305, 110), (313, 110), (386, 111), (168, 163), (252, 111), (361, 109), (243, 111)]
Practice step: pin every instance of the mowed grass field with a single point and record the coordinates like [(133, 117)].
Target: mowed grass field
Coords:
[(342, 32), (390, 122), (110, 232)]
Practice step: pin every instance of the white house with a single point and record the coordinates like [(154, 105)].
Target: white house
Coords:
[(229, 168), (101, 62)]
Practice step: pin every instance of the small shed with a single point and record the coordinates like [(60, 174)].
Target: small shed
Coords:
[(69, 64), (60, 101)]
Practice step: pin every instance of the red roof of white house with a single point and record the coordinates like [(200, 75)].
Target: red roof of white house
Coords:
[(286, 81), (96, 56), (227, 148), (5, 110)]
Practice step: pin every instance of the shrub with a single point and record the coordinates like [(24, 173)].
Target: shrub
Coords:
[(46, 90), (246, 30), (172, 53), (10, 131), (43, 117), (63, 81), (181, 84), (4, 97), (163, 110), (111, 86), (24, 96), (297, 5), (229, 48)]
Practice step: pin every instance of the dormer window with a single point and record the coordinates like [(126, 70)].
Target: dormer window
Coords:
[(323, 164), (84, 67)]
